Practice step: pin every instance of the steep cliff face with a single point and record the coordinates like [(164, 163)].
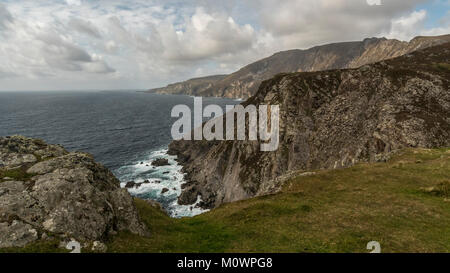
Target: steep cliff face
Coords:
[(245, 82), (330, 119)]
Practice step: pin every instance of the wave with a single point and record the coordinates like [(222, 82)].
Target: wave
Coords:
[(120, 129), (168, 178)]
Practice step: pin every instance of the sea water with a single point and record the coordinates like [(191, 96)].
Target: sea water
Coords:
[(122, 129)]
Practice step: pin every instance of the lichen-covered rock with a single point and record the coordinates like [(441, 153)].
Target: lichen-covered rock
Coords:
[(16, 151), (17, 234), (65, 194), (330, 119), (99, 247)]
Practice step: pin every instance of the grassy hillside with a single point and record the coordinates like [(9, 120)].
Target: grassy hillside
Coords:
[(403, 204)]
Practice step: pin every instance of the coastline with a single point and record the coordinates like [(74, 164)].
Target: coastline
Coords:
[(162, 184)]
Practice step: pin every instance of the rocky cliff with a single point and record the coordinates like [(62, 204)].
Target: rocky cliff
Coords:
[(245, 82), (330, 119), (46, 192), (190, 87)]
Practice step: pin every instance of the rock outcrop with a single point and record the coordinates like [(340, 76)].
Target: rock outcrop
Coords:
[(54, 192), (330, 119), (160, 162), (245, 82)]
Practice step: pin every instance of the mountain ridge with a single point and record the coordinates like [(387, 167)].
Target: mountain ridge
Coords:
[(245, 82)]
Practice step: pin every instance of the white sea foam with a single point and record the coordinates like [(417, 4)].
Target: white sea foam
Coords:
[(159, 178)]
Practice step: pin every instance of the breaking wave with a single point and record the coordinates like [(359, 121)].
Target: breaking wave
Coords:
[(153, 180)]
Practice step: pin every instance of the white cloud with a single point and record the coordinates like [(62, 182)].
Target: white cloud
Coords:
[(5, 17), (374, 2), (302, 23), (41, 50), (85, 27), (413, 24), (73, 2), (406, 27), (147, 43), (201, 20), (206, 36)]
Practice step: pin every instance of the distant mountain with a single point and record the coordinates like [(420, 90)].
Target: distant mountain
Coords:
[(190, 87), (245, 82)]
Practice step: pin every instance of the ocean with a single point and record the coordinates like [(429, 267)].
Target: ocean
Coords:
[(123, 130)]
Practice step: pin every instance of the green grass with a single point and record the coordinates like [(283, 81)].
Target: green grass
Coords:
[(332, 211), (50, 246), (174, 235), (19, 174), (443, 66)]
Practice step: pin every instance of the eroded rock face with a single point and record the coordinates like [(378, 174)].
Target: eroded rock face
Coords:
[(65, 194), (330, 119), (17, 234)]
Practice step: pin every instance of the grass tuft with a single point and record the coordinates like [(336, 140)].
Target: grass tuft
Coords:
[(19, 174), (442, 66)]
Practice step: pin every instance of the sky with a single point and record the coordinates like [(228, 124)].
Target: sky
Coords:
[(142, 44)]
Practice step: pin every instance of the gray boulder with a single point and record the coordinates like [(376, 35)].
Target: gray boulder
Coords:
[(67, 195)]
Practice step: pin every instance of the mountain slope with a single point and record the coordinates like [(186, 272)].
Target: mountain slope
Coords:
[(245, 82), (189, 87), (328, 119)]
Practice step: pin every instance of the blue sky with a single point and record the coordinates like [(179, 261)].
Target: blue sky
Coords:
[(437, 11), (117, 44)]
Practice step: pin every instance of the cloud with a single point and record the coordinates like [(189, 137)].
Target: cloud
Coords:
[(374, 2), (144, 44), (301, 23), (406, 27), (73, 2), (5, 17), (33, 49), (61, 54), (6, 74), (206, 36), (414, 24), (85, 27), (99, 67)]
